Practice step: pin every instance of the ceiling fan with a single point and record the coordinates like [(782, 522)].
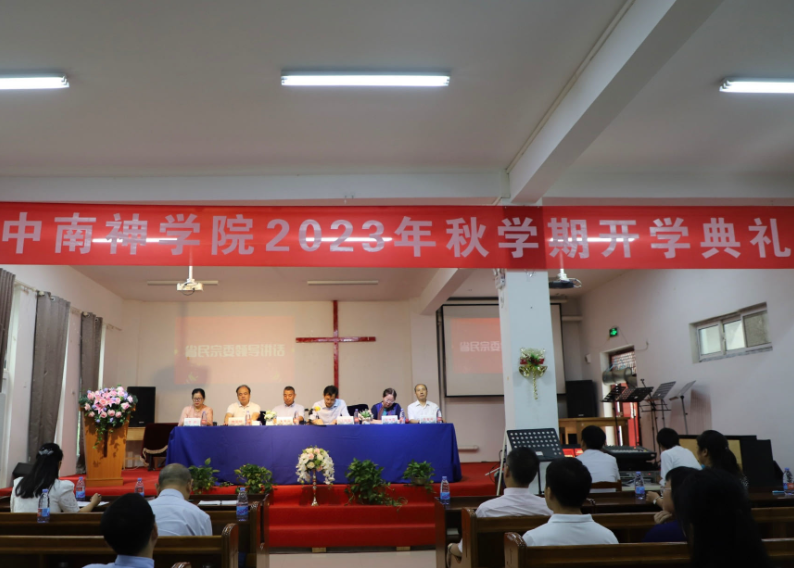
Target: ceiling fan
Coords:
[(187, 287)]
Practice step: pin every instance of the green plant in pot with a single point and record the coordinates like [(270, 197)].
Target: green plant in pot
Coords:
[(255, 478), (203, 477), (366, 485), (420, 474)]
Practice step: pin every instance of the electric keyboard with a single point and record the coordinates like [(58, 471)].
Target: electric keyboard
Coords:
[(634, 458)]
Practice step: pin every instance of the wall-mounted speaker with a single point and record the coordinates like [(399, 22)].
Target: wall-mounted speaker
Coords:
[(581, 399), (144, 410)]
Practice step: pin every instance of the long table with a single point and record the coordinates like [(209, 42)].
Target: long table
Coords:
[(278, 447)]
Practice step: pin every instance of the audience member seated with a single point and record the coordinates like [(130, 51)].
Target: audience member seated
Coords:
[(290, 408), (714, 511), (197, 410), (713, 452), (673, 455), (567, 485), (27, 489), (667, 528), (129, 528), (175, 515), (387, 407), (520, 470), (326, 411), (422, 408), (602, 466), (242, 406)]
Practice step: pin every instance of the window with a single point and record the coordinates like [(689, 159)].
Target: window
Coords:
[(740, 333), (623, 360)]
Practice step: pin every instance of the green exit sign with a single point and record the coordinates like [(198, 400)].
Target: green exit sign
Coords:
[(613, 332)]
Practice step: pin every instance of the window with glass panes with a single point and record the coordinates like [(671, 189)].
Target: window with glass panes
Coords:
[(743, 332)]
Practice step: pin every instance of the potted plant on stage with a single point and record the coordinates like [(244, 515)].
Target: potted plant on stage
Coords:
[(312, 461), (367, 486), (203, 477), (365, 416), (105, 416), (420, 474), (257, 479)]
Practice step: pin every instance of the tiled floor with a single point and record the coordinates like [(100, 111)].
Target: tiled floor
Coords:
[(413, 558)]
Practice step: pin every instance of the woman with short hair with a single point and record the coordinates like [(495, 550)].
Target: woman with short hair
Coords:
[(197, 410), (387, 407)]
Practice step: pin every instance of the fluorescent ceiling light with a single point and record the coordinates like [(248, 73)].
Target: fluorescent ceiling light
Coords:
[(360, 80), (51, 82), (771, 86), (342, 282)]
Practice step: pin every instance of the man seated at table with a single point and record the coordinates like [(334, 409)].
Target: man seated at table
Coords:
[(520, 470), (290, 408), (422, 408), (242, 406), (326, 411), (175, 515), (673, 455), (129, 528), (602, 466)]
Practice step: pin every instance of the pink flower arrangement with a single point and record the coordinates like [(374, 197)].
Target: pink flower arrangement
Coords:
[(107, 408)]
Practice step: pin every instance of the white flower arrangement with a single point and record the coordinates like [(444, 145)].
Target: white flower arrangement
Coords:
[(315, 459), (270, 416)]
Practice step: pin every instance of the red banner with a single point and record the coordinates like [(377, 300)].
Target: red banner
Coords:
[(437, 237)]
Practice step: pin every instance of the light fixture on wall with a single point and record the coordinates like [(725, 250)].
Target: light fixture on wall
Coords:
[(363, 79), (765, 86), (34, 82)]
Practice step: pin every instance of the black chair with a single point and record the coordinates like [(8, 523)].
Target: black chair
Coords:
[(351, 408)]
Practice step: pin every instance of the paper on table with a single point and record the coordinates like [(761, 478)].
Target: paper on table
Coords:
[(229, 502), (82, 504), (208, 503)]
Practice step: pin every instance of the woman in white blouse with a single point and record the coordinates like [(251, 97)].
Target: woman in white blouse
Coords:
[(197, 410), (27, 489)]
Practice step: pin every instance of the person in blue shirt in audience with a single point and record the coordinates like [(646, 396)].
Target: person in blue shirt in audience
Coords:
[(387, 407), (129, 528), (667, 528)]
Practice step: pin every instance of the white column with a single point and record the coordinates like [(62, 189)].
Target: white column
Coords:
[(525, 320)]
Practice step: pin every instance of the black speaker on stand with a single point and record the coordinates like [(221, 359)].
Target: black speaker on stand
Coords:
[(144, 410), (581, 398)]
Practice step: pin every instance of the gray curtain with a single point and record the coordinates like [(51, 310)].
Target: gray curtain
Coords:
[(49, 356), (90, 351), (6, 297)]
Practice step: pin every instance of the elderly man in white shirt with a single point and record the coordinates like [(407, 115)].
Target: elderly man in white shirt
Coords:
[(520, 470), (422, 408), (243, 406), (290, 408), (602, 466), (175, 515), (330, 408), (567, 486)]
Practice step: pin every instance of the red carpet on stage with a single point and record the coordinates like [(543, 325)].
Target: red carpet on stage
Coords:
[(295, 524)]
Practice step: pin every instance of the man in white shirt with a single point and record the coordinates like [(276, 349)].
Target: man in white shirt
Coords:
[(520, 470), (602, 466), (242, 406), (129, 528), (673, 456), (567, 485), (290, 407), (422, 408), (175, 515), (330, 407)]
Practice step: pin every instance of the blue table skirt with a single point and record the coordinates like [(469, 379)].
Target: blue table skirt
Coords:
[(277, 448)]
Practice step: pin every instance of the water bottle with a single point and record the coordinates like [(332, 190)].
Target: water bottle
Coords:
[(355, 415), (79, 491), (639, 486), (438, 415), (242, 505), (402, 417), (44, 507), (204, 418), (295, 419), (247, 418), (788, 482), (444, 497), (139, 487)]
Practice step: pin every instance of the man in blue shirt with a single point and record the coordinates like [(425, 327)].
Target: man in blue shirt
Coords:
[(129, 528), (175, 515)]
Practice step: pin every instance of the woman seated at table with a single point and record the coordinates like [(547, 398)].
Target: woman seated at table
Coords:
[(388, 407), (197, 410), (27, 489)]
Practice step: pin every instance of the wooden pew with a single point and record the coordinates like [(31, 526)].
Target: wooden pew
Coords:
[(77, 551), (660, 555)]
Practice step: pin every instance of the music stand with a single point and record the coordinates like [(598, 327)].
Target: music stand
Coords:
[(545, 442), (612, 398), (680, 394), (661, 392)]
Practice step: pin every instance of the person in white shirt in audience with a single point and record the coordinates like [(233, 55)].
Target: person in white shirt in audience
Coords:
[(290, 408), (330, 408), (422, 408), (520, 470), (129, 528), (27, 489), (567, 485), (243, 405), (175, 515), (602, 466), (673, 455)]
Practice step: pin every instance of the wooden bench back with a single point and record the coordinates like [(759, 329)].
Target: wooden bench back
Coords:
[(77, 551)]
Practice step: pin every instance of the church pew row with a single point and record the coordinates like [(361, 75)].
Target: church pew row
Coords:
[(253, 534), (660, 555), (77, 551)]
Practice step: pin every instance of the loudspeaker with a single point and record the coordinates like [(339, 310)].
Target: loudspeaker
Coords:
[(581, 399), (23, 469), (758, 465), (144, 410)]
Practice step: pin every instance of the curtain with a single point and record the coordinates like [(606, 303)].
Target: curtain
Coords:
[(49, 357), (90, 351), (6, 297)]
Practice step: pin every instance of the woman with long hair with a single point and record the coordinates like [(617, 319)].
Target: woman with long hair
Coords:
[(27, 489), (713, 452)]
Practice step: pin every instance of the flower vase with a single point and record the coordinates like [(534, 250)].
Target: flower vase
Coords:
[(314, 488)]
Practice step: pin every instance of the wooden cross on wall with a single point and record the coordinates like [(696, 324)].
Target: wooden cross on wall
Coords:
[(336, 340)]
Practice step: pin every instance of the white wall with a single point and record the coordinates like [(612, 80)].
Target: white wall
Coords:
[(749, 394)]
